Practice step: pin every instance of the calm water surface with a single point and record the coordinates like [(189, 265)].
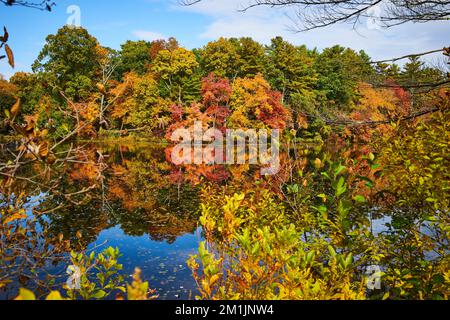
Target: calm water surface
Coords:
[(139, 206)]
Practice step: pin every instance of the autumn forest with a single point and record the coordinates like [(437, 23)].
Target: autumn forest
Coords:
[(89, 189)]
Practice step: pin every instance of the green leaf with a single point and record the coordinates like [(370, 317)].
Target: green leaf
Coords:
[(341, 187), (332, 251), (360, 198), (375, 166), (338, 170), (321, 209), (326, 175), (349, 260), (99, 294)]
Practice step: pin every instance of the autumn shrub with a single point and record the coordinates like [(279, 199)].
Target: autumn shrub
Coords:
[(270, 262), (25, 253), (258, 247), (97, 277), (416, 166)]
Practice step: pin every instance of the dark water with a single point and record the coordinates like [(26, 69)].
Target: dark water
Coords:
[(163, 264), (136, 206)]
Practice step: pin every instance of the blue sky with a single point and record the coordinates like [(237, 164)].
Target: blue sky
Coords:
[(115, 21)]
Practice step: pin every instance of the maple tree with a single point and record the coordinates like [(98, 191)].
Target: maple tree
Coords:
[(255, 105), (156, 46)]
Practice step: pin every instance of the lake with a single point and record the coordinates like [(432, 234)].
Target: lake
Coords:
[(126, 194)]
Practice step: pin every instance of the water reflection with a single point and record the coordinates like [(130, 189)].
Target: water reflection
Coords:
[(163, 264), (127, 195), (121, 196), (131, 193)]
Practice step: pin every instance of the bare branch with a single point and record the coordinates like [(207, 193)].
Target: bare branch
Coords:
[(44, 5), (312, 14)]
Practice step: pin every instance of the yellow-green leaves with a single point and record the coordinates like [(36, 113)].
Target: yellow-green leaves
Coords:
[(26, 295), (54, 296), (138, 289)]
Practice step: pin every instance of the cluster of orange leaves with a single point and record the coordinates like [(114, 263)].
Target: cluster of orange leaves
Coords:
[(247, 103)]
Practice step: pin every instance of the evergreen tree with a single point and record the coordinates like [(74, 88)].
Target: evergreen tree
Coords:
[(290, 69)]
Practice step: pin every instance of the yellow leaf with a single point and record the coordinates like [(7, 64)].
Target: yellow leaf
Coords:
[(101, 88), (10, 55), (15, 108), (44, 133), (43, 150), (318, 164), (214, 279), (54, 296), (26, 295), (16, 216)]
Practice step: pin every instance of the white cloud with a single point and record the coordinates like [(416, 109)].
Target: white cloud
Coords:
[(264, 23), (148, 35)]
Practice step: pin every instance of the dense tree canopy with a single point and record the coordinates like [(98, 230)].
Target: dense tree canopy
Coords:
[(70, 61), (178, 74), (134, 56), (76, 79), (290, 68), (8, 96), (339, 71)]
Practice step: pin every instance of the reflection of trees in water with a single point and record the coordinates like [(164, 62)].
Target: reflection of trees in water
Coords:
[(132, 192), (150, 203), (135, 190), (172, 216), (81, 224)]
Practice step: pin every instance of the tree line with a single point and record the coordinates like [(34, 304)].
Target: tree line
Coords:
[(76, 80)]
